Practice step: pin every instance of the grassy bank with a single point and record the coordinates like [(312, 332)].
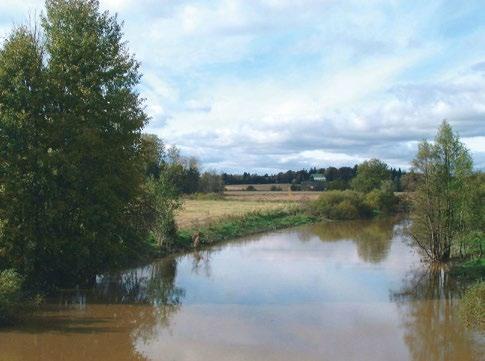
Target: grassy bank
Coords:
[(224, 218), (235, 226), (470, 271), (472, 306)]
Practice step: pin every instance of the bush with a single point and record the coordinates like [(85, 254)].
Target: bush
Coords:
[(250, 188), (275, 189), (341, 205), (472, 306), (383, 200), (11, 303), (295, 187), (346, 210), (338, 184)]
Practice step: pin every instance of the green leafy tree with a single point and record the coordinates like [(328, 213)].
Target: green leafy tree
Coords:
[(182, 171), (161, 197), (72, 176), (382, 200), (370, 175), (211, 182), (153, 154), (442, 199), (26, 177)]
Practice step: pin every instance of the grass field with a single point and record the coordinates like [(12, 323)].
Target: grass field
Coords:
[(195, 213)]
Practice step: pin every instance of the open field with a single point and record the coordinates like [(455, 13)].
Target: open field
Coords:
[(202, 212), (268, 196), (258, 187)]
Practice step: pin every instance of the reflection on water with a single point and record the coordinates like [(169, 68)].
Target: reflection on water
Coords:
[(331, 291), (427, 303), (373, 239)]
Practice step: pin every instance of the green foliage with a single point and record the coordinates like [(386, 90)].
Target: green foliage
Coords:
[(275, 189), (409, 182), (25, 177), (211, 182), (346, 209), (153, 155), (183, 172), (355, 205), (250, 223), (13, 303), (71, 175), (338, 184), (161, 196), (370, 175), (443, 198), (383, 200), (341, 205), (470, 245), (472, 306), (250, 188), (163, 201), (470, 270)]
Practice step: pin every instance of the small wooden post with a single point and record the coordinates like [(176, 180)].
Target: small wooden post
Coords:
[(196, 239)]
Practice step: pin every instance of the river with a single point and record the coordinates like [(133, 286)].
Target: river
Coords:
[(329, 291)]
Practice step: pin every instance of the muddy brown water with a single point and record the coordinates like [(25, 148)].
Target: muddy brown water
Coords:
[(339, 291)]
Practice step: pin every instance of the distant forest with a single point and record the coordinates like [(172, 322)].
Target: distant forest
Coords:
[(337, 178)]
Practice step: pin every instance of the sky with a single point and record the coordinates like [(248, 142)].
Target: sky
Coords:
[(270, 85)]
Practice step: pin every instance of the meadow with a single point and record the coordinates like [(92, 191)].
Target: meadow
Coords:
[(195, 213)]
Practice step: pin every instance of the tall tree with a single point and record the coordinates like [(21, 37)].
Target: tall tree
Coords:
[(71, 178), (370, 175), (25, 156), (99, 118), (442, 194)]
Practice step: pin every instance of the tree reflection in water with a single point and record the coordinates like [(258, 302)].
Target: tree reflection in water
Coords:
[(153, 285), (201, 262), (102, 323), (372, 238), (427, 305)]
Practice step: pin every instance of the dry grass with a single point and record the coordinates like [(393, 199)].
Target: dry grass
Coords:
[(202, 212)]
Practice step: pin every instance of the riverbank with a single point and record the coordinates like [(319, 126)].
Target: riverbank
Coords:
[(236, 226), (205, 221)]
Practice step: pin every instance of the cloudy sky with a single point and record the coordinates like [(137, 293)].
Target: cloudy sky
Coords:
[(267, 85)]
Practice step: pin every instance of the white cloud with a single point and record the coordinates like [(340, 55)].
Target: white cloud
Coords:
[(271, 84)]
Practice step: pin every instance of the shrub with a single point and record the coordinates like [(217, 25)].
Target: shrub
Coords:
[(11, 303), (346, 210), (340, 205), (338, 184), (472, 306), (250, 188), (383, 200), (275, 189), (295, 187)]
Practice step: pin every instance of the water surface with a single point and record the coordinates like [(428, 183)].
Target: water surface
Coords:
[(332, 291)]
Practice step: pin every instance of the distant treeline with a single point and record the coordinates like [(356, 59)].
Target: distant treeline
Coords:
[(336, 178)]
